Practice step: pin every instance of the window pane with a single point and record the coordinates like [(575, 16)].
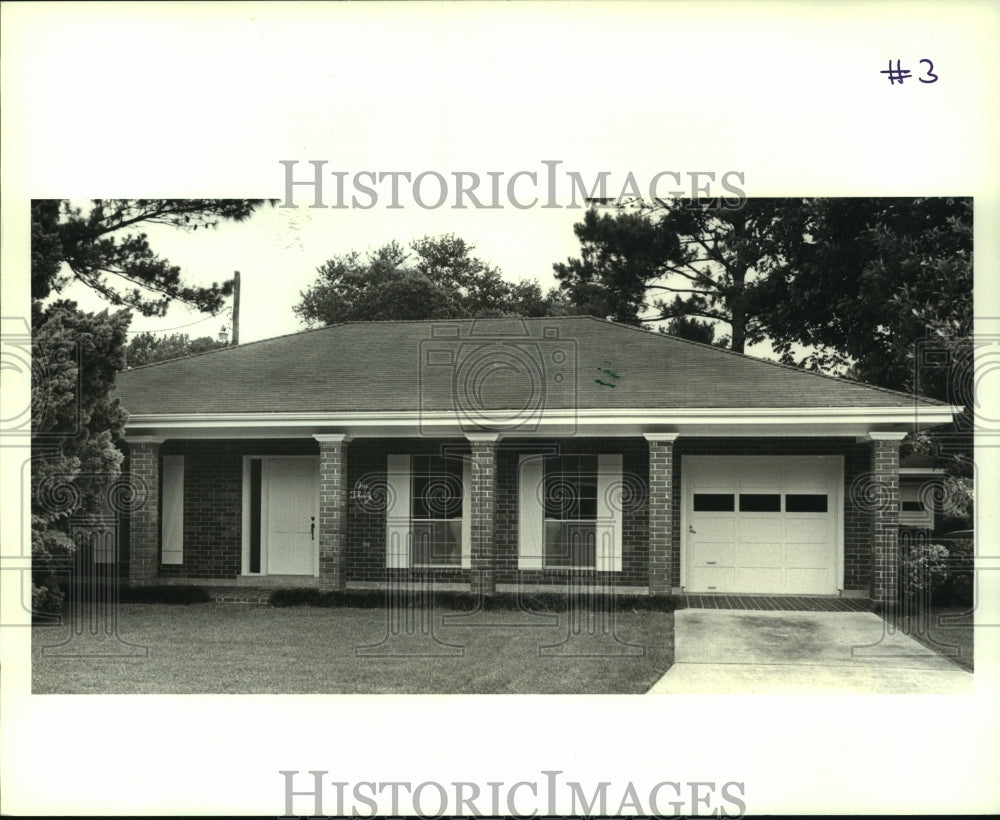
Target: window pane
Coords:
[(713, 502), (803, 503), (436, 487), (562, 496), (418, 486), (570, 488), (760, 502), (437, 543), (912, 506), (570, 544)]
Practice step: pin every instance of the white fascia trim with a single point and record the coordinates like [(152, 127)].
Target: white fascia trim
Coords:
[(926, 415)]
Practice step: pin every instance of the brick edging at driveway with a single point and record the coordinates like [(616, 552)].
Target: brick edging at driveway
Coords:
[(790, 603)]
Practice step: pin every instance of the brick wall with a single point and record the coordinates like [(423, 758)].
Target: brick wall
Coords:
[(365, 541), (635, 549), (364, 544), (213, 476)]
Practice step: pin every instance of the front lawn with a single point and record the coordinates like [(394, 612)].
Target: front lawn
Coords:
[(240, 649)]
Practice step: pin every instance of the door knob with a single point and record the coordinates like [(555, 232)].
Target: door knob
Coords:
[(692, 529)]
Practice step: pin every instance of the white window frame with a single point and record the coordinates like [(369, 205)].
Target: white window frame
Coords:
[(399, 523), (608, 521), (920, 519)]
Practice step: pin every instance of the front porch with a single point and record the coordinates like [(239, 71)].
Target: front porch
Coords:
[(229, 513)]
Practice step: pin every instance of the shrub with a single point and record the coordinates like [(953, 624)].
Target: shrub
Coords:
[(46, 600), (467, 601), (922, 567), (957, 587)]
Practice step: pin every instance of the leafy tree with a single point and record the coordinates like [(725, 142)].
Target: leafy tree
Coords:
[(869, 279), (883, 288), (438, 278), (683, 260), (75, 426), (104, 248), (146, 348)]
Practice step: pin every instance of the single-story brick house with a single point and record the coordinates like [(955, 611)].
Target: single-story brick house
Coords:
[(497, 453)]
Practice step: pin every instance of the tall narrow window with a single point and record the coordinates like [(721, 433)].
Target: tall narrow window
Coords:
[(570, 501), (172, 511), (255, 487), (436, 511)]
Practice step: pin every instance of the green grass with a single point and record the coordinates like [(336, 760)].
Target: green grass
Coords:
[(234, 649)]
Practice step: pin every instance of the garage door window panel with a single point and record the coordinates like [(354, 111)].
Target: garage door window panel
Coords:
[(806, 503), (714, 502), (760, 502)]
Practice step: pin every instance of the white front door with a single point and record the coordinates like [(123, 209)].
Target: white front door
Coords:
[(762, 524), (291, 516)]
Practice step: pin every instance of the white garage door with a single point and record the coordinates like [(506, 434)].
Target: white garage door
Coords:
[(762, 524)]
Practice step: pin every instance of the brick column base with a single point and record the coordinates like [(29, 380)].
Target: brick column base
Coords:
[(661, 511), (332, 510)]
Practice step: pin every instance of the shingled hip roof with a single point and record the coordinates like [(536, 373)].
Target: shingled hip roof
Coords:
[(510, 366)]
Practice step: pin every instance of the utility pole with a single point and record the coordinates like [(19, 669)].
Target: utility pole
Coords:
[(236, 308)]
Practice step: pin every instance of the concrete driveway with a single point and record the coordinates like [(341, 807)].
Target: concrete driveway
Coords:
[(779, 652)]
